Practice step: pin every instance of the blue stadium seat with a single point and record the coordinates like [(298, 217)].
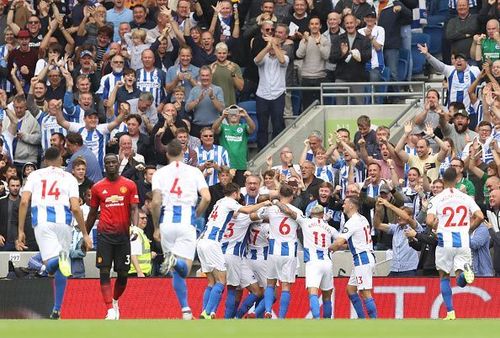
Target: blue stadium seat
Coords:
[(250, 107), (436, 34), (404, 61), (418, 59)]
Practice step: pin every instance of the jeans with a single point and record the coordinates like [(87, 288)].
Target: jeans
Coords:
[(309, 96), (269, 109), (375, 76), (406, 44), (353, 89), (391, 59)]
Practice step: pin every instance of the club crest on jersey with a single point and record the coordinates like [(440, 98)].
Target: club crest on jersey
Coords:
[(239, 130), (345, 230), (123, 190), (114, 199)]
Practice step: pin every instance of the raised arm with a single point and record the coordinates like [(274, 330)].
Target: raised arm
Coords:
[(377, 217), (402, 154), (398, 211)]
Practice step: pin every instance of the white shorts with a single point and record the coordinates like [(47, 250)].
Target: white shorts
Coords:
[(238, 272), (180, 239), (362, 276), (282, 268), (319, 274), (452, 259), (210, 255), (53, 238), (258, 267)]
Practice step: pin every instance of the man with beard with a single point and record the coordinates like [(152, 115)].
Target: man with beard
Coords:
[(329, 199), (226, 74), (458, 131), (109, 81)]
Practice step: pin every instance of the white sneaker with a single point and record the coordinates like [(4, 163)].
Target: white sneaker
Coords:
[(111, 315), (187, 314), (168, 263), (116, 308)]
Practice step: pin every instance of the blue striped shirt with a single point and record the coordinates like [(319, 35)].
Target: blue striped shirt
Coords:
[(153, 82)]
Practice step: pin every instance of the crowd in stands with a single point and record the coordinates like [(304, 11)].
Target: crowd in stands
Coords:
[(128, 77)]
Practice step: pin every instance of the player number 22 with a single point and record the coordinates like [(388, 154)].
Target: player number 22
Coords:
[(53, 190), (461, 210)]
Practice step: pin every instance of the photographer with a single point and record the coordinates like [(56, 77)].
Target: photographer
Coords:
[(234, 138)]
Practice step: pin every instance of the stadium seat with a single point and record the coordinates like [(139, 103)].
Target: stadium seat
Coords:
[(418, 59), (250, 107), (404, 61), (436, 34)]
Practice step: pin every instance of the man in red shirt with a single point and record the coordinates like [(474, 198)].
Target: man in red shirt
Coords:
[(24, 57), (116, 197)]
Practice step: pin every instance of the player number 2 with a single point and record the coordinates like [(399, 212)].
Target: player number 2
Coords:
[(176, 189), (461, 210), (316, 238), (284, 227), (53, 190)]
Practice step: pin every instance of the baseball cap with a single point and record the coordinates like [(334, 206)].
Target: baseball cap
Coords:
[(86, 53), (317, 209), (385, 188), (460, 55), (462, 112), (90, 112), (371, 14), (23, 33)]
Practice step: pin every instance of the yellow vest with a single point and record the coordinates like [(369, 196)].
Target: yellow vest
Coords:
[(145, 258)]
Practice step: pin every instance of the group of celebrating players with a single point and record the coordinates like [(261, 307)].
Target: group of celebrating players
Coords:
[(252, 246)]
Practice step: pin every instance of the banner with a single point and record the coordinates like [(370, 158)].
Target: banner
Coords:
[(395, 298), (26, 298)]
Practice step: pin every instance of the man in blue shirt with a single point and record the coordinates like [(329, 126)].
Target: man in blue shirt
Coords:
[(74, 143), (404, 259), (117, 15)]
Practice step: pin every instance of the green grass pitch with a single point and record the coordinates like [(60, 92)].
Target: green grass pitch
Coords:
[(478, 328)]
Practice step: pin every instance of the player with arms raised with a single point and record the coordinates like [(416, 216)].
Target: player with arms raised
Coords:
[(54, 196), (116, 198), (356, 232), (453, 214), (282, 261), (175, 194)]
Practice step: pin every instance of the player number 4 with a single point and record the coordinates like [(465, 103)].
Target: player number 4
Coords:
[(53, 190), (176, 189)]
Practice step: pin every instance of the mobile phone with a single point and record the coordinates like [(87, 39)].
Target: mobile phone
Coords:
[(432, 165), (233, 110)]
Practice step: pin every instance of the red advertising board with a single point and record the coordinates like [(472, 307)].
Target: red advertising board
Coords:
[(395, 298)]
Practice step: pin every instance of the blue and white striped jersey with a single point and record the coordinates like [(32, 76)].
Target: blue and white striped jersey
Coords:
[(258, 241), (153, 82), (326, 173), (179, 185), (72, 112), (220, 218), (217, 154), (459, 82), (108, 82), (318, 236), (48, 126), (356, 232), (235, 236), (51, 189), (94, 139)]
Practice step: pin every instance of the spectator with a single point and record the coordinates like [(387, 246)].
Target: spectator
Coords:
[(329, 200), (286, 168), (366, 132), (311, 184), (211, 157), (79, 171), (426, 243), (493, 224), (461, 29), (480, 249), (140, 141), (144, 183), (458, 132), (131, 163), (58, 140), (311, 145), (8, 230), (216, 190), (404, 258), (206, 101), (118, 14), (358, 8), (110, 81), (314, 50), (74, 143), (234, 138), (140, 20), (485, 48), (140, 248), (332, 33), (186, 75), (190, 155), (225, 23), (151, 79), (430, 112), (272, 64), (226, 74), (136, 44), (24, 58), (250, 191)]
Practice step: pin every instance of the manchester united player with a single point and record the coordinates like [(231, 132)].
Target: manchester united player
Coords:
[(116, 198)]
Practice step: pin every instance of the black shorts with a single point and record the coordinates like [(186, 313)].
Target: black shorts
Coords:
[(113, 248)]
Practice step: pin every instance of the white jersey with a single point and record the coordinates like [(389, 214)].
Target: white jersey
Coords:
[(220, 217), (282, 230), (233, 241), (179, 185), (356, 232), (258, 241), (51, 189), (453, 210), (318, 236), (94, 139)]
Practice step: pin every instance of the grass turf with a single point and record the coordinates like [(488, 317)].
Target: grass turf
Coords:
[(479, 328)]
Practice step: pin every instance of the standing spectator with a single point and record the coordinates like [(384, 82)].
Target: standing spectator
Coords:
[(226, 74), (272, 65), (405, 259), (234, 138), (24, 58), (458, 132), (8, 204), (140, 20), (110, 81), (366, 132), (211, 157), (314, 49), (358, 8), (118, 14), (79, 171), (480, 249), (151, 79), (426, 243), (493, 225), (461, 29), (144, 185), (27, 140), (206, 101), (140, 248), (332, 33), (130, 163), (185, 75), (350, 52), (74, 143), (486, 47)]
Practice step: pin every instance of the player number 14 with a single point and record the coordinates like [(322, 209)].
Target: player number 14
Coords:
[(53, 190)]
